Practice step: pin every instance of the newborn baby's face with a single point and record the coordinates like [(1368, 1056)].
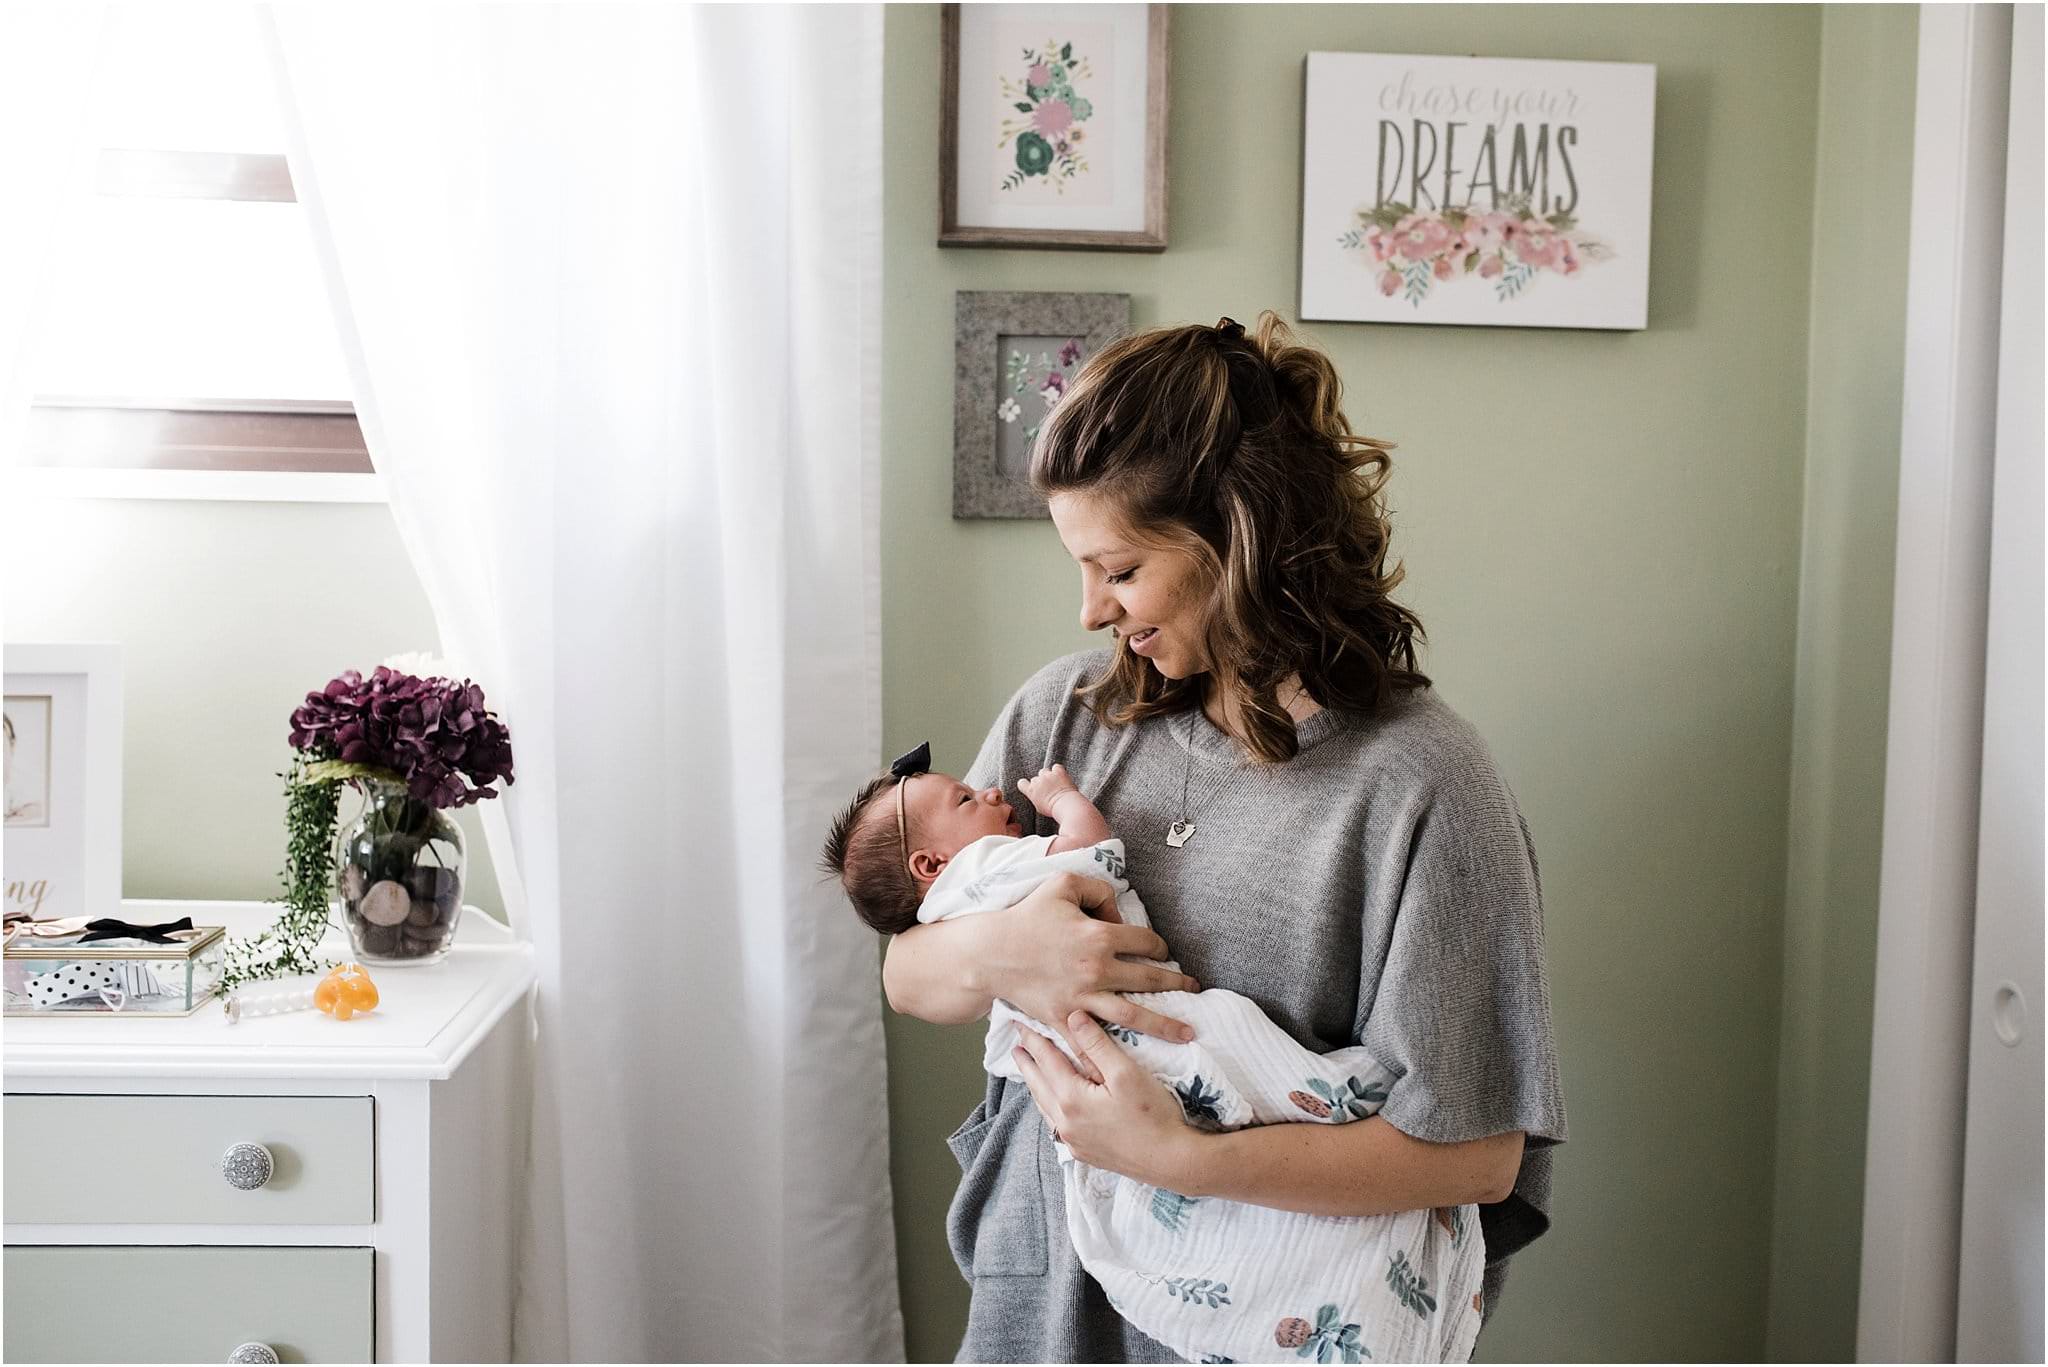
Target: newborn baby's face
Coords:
[(946, 816)]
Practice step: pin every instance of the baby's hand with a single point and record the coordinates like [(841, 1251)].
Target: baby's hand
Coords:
[(1052, 793), (1051, 784)]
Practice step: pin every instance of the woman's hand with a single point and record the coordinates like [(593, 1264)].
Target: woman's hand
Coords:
[(1055, 959), (1127, 1122)]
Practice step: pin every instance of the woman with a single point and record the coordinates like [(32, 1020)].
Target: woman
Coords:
[(1307, 822)]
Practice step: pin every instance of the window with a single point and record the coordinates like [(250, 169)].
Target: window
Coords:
[(183, 343)]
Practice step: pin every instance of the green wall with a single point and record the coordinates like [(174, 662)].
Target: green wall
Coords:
[(1856, 360), (1604, 537)]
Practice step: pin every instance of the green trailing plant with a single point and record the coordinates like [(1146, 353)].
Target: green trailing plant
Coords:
[(287, 946)]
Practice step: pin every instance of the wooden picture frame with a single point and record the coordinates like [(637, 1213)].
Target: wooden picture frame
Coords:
[(1112, 205), (998, 402)]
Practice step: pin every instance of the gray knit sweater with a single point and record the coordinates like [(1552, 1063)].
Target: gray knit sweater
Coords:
[(1378, 888)]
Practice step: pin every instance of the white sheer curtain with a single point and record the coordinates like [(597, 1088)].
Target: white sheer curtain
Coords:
[(609, 280), (49, 50)]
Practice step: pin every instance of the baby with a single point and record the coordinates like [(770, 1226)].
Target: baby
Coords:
[(1208, 1278)]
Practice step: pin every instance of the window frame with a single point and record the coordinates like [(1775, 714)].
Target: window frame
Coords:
[(59, 457)]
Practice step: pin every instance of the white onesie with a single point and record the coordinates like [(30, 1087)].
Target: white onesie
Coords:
[(1224, 1281)]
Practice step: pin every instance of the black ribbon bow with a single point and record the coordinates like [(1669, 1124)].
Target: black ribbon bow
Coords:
[(918, 761), (107, 928)]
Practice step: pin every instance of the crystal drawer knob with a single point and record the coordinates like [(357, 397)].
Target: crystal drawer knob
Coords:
[(247, 1167), (253, 1352)]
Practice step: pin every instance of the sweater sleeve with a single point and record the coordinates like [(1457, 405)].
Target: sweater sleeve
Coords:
[(1462, 1011)]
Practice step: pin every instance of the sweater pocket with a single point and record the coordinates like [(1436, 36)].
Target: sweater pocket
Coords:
[(996, 1223)]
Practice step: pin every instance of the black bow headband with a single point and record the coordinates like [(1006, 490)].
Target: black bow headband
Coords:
[(905, 768), (918, 761)]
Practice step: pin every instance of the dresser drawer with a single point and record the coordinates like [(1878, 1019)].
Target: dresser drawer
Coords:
[(89, 1160), (188, 1304)]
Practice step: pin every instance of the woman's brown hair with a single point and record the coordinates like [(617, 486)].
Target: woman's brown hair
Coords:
[(1234, 448)]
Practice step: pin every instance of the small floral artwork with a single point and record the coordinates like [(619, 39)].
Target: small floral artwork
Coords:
[(1040, 382), (1411, 251), (1048, 113)]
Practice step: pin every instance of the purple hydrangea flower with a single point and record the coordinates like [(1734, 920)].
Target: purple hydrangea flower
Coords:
[(432, 733)]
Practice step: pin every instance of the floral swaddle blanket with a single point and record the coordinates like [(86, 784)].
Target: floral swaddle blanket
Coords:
[(1217, 1280)]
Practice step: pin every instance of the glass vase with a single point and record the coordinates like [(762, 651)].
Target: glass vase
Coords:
[(399, 869)]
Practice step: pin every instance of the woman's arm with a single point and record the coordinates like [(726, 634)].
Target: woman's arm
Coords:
[(1127, 1122), (1046, 956), (1364, 1168)]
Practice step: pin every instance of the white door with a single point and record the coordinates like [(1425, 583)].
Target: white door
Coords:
[(1998, 1285), (1963, 747)]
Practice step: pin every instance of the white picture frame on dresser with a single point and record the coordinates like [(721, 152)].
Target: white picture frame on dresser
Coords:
[(61, 837), (381, 1224)]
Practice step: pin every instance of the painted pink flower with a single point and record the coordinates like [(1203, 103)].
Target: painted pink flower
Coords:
[(1422, 239), (1568, 256), (1486, 232), (1379, 243), (1071, 352), (1055, 383), (1490, 267), (1053, 118), (1039, 74), (1390, 282), (1537, 249), (1443, 268)]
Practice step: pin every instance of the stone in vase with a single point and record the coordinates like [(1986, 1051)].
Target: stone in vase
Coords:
[(386, 904)]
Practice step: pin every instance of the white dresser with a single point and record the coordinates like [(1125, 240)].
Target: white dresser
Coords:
[(387, 1226)]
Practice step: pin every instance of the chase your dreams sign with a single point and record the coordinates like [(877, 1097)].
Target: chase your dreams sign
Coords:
[(1476, 190)]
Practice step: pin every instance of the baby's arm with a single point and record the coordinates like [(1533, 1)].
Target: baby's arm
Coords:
[(1054, 794)]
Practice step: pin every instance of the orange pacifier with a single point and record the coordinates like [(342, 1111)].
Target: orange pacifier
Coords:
[(345, 991)]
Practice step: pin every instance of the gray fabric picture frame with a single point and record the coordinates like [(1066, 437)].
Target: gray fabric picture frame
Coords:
[(986, 325)]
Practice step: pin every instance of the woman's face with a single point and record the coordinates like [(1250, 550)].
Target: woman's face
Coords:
[(1154, 600)]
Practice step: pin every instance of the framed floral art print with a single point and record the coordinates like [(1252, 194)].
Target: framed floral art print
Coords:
[(62, 839), (1483, 191), (1014, 354), (1053, 126)]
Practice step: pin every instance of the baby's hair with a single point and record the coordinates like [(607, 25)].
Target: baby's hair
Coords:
[(863, 852)]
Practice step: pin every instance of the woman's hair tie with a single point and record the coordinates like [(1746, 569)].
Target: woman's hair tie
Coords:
[(1250, 377)]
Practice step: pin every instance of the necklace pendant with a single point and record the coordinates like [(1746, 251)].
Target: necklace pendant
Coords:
[(1180, 833)]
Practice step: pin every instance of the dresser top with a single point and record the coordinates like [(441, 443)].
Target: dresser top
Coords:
[(426, 1022)]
